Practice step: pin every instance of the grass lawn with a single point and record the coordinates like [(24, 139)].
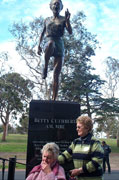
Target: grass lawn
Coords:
[(18, 143), (14, 143), (13, 138)]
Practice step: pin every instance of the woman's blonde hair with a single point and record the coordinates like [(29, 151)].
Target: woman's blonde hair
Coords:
[(86, 121), (51, 147)]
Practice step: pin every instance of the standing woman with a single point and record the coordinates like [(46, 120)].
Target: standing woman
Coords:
[(54, 30), (86, 152), (49, 169)]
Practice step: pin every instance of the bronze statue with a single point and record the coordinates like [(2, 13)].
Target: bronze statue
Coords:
[(54, 30)]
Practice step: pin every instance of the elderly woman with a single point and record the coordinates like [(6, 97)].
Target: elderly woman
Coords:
[(86, 152), (49, 169)]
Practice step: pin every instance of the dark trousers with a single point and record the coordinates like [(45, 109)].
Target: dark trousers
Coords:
[(106, 161)]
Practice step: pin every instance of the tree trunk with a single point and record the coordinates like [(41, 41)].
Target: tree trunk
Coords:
[(107, 134), (5, 129), (118, 138), (88, 105)]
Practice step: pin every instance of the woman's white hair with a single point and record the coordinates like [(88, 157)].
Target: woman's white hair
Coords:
[(51, 147)]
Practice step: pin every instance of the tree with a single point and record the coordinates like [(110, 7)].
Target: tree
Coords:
[(78, 83), (107, 105), (15, 93), (27, 36), (107, 116), (23, 127), (112, 75), (83, 88), (78, 48), (1, 128), (4, 67)]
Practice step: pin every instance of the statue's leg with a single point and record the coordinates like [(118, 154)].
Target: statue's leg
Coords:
[(57, 69), (48, 53)]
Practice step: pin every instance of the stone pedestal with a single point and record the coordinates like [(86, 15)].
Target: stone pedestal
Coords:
[(50, 121)]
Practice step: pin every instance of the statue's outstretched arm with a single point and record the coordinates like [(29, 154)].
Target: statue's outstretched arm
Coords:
[(67, 19)]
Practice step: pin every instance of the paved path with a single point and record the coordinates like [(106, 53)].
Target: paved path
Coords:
[(113, 176), (20, 175)]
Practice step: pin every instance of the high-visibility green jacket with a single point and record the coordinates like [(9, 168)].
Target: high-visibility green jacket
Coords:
[(87, 153)]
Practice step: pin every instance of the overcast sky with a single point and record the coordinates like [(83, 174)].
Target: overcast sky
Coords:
[(102, 20)]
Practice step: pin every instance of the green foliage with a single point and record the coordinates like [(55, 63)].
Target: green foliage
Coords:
[(77, 81), (107, 116), (26, 36), (1, 128), (109, 112), (15, 93), (23, 128)]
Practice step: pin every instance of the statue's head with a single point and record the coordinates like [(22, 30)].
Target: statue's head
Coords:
[(56, 5)]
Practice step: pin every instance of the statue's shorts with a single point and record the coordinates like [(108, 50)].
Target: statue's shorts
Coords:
[(58, 48)]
